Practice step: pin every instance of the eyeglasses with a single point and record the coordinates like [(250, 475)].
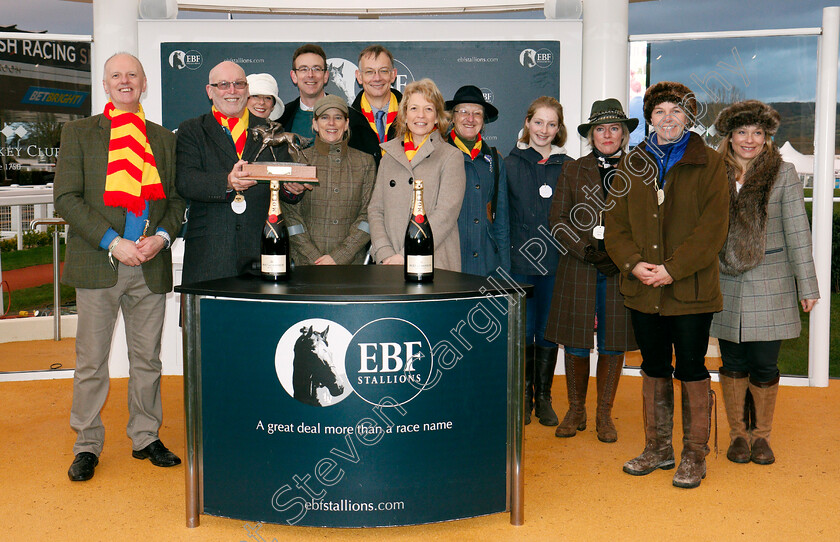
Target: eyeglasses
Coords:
[(315, 70), (465, 113), (224, 85), (383, 72)]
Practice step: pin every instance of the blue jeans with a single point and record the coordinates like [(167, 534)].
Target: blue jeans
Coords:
[(601, 314), (537, 307)]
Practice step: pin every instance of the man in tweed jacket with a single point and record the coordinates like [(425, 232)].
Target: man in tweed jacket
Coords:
[(115, 265)]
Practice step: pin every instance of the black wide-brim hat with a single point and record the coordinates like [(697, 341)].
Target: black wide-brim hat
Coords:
[(607, 111), (471, 94)]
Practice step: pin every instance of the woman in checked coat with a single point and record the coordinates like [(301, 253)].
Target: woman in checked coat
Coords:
[(765, 266), (587, 279)]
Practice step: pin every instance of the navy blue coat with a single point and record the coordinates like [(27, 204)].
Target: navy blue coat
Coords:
[(485, 245), (528, 210)]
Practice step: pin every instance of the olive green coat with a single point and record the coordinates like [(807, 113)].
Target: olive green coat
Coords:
[(685, 233), (78, 192)]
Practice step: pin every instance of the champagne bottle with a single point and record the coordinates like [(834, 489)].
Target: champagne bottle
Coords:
[(274, 248), (419, 243)]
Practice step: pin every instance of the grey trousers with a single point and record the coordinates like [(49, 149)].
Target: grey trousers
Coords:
[(143, 313)]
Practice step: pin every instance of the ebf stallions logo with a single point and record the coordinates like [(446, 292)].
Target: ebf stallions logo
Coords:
[(389, 357), (542, 58), (191, 59)]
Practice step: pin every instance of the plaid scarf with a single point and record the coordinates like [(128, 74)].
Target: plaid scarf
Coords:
[(132, 177), (238, 128), (367, 111), (410, 149), (474, 152)]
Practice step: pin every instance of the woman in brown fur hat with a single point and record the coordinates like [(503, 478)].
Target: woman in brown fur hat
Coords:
[(766, 258), (666, 226)]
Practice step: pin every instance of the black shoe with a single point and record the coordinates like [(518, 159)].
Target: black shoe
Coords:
[(157, 454), (83, 467)]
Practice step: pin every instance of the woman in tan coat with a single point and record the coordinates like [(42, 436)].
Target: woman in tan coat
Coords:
[(767, 259), (418, 151), (667, 223)]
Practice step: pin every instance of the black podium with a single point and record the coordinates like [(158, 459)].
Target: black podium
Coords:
[(349, 398)]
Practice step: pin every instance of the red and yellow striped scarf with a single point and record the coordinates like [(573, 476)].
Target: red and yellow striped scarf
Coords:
[(238, 128), (410, 149), (132, 177), (472, 153), (367, 111)]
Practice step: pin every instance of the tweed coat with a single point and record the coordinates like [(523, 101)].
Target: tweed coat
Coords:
[(761, 304), (685, 233), (219, 243), (332, 217), (440, 166), (78, 193), (572, 315)]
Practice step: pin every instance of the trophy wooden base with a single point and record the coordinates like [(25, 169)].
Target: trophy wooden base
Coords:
[(285, 172)]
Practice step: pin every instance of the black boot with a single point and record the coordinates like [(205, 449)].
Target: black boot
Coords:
[(529, 382), (545, 359)]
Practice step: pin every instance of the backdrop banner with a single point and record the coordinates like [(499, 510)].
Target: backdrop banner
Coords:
[(354, 415), (511, 74)]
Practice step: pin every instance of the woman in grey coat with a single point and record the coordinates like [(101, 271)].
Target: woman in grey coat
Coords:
[(767, 258)]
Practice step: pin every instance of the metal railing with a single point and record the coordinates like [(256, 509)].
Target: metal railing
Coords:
[(56, 270)]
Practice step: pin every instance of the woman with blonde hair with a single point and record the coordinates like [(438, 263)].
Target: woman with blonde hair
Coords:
[(765, 265), (533, 167), (419, 151)]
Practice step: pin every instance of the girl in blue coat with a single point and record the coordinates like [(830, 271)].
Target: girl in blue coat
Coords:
[(533, 167)]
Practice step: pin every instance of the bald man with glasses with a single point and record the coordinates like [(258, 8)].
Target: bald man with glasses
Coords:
[(227, 209)]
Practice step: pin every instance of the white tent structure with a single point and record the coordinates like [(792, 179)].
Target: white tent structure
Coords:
[(804, 164)]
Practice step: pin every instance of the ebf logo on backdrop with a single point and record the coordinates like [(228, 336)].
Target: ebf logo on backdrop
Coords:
[(185, 59), (513, 72)]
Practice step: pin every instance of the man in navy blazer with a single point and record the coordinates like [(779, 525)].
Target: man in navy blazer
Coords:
[(227, 209), (118, 259)]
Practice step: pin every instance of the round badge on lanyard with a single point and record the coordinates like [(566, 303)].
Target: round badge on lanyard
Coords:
[(238, 204), (545, 191)]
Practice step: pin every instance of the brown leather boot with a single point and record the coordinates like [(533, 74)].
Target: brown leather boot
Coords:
[(658, 410), (577, 381), (697, 423), (609, 371), (734, 384), (529, 382), (545, 360), (764, 395)]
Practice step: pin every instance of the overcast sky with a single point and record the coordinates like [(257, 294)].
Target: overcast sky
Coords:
[(658, 16), (777, 69)]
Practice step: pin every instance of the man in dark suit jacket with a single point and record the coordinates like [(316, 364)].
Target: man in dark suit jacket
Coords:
[(374, 110), (118, 258), (227, 210)]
